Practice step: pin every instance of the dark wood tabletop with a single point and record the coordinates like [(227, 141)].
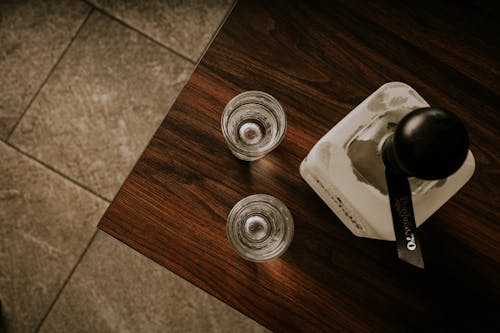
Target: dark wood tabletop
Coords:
[(321, 59)]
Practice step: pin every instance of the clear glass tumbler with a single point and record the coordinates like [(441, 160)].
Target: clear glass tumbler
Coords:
[(253, 124), (260, 227)]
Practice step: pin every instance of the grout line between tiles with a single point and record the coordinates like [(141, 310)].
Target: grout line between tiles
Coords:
[(224, 19), (70, 275), (57, 172), (104, 12), (49, 75)]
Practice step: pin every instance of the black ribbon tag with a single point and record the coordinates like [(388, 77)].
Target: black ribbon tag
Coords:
[(403, 218)]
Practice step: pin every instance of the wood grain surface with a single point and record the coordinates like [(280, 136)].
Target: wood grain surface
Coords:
[(320, 59)]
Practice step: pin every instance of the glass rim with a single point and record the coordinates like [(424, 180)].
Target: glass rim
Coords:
[(232, 222), (245, 98)]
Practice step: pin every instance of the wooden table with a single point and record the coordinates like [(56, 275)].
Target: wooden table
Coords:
[(320, 60)]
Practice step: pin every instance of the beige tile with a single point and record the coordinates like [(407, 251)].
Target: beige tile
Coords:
[(45, 224), (115, 289), (185, 26), (33, 35), (102, 104)]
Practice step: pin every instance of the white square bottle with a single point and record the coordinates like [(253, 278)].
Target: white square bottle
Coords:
[(346, 169)]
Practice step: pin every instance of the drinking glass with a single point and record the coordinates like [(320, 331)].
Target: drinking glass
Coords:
[(260, 227), (253, 124)]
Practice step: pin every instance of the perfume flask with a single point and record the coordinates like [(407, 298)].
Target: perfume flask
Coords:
[(346, 166)]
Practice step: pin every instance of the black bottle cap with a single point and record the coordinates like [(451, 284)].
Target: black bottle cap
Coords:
[(429, 143)]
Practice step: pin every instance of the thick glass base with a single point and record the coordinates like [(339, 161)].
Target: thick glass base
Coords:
[(253, 124), (260, 227)]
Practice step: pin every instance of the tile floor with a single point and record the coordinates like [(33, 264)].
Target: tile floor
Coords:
[(83, 87)]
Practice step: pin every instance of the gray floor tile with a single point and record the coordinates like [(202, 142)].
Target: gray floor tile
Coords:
[(45, 224), (33, 35), (102, 104), (185, 26), (115, 289)]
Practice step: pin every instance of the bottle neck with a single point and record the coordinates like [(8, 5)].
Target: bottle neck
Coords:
[(390, 157)]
